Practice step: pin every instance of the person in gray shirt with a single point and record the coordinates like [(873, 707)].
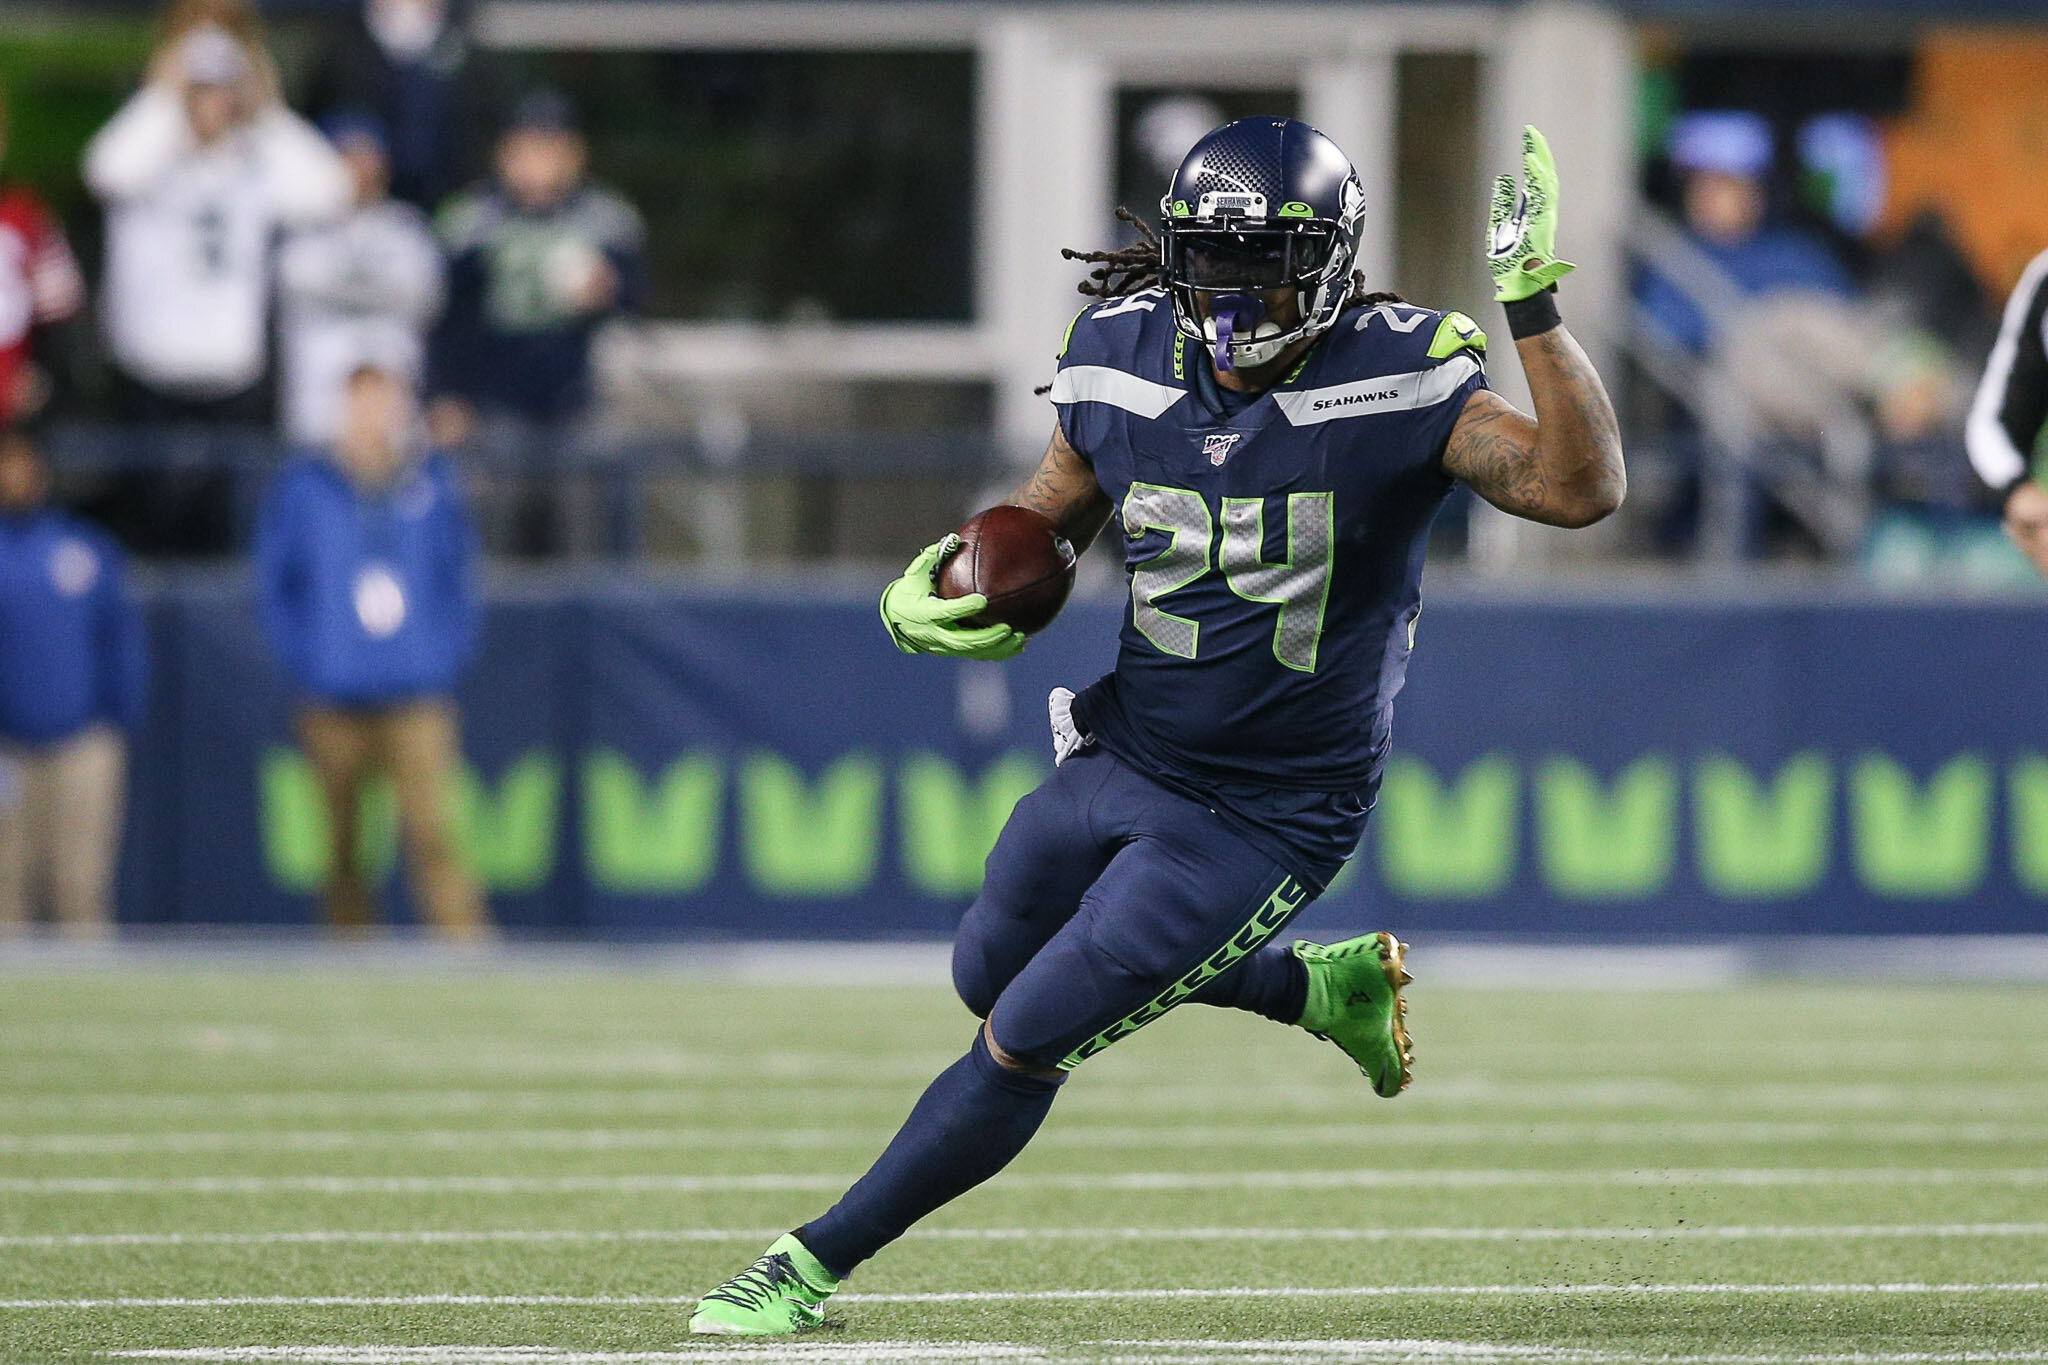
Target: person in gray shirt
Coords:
[(366, 285)]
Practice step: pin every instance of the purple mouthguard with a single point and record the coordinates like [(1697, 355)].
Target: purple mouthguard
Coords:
[(1234, 313)]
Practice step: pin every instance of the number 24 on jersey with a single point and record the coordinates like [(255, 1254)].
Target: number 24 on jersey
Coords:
[(1298, 585)]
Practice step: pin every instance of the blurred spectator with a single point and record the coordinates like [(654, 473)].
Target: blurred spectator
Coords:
[(1916, 268), (1807, 381), (366, 569), (1923, 270), (1723, 158), (40, 292), (237, 18), (438, 96), (366, 284), (71, 679), (1817, 360), (538, 258), (1842, 172), (198, 171)]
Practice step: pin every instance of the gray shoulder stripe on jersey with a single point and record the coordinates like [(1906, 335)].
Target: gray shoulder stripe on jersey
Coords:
[(1388, 393), (1101, 384)]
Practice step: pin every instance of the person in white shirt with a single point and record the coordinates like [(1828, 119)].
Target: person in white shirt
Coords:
[(198, 172), (367, 284)]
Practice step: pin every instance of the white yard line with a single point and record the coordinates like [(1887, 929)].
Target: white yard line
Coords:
[(486, 1053), (1366, 1178), (1411, 1350), (1286, 1350), (458, 1237), (1075, 1135), (428, 1059), (1122, 1092), (423, 1100), (1389, 1291), (1370, 1291), (1467, 962), (853, 1352)]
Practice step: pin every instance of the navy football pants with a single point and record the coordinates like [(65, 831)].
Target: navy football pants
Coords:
[(1110, 899)]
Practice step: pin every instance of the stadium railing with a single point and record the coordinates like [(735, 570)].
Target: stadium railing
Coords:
[(1825, 486), (619, 465)]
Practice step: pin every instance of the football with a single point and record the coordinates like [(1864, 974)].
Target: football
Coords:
[(1017, 559)]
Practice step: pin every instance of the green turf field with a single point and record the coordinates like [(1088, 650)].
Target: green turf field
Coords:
[(523, 1165)]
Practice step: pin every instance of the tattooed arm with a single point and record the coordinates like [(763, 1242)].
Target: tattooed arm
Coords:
[(1064, 488), (1562, 466)]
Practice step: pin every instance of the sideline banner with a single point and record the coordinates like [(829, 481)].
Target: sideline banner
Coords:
[(644, 761)]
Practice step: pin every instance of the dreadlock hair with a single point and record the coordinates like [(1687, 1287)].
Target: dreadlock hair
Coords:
[(1127, 269)]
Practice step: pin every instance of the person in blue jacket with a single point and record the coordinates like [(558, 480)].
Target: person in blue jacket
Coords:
[(366, 565), (1724, 156), (71, 681)]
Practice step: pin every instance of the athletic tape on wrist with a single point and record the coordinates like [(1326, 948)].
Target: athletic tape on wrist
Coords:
[(1534, 315)]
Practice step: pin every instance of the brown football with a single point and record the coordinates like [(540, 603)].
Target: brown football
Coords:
[(1017, 559)]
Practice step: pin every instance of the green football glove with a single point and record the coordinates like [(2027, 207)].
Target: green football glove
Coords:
[(1522, 229), (922, 622)]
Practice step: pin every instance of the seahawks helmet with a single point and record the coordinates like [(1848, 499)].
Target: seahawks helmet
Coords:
[(1258, 205)]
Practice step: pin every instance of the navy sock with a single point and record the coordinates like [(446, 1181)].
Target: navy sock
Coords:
[(1271, 982), (968, 1125)]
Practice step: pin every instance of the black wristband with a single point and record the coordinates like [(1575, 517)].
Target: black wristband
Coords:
[(1533, 316)]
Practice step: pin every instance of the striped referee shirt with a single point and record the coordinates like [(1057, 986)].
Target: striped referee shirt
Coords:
[(2012, 399)]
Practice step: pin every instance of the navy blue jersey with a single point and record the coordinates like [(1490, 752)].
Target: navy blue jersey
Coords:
[(1274, 552)]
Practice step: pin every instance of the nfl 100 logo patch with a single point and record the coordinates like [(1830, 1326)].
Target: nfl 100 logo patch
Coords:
[(1217, 445)]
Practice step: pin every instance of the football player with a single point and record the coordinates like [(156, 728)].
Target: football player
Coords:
[(1273, 443)]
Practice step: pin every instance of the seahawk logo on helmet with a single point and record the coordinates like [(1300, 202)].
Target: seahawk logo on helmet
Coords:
[(1258, 206)]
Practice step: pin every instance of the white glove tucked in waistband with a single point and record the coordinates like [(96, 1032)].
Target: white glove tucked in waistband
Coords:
[(1067, 739)]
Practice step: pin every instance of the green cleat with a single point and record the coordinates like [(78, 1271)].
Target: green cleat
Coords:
[(782, 1293), (1354, 1001)]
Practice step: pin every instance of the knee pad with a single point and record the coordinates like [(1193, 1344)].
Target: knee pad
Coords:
[(971, 979)]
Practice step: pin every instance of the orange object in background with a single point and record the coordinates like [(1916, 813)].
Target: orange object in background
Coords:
[(1974, 145)]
